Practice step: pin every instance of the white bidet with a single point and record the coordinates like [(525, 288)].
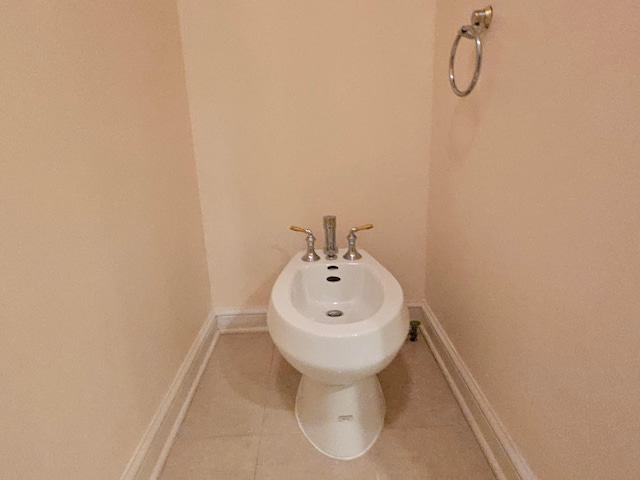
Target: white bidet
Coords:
[(338, 322)]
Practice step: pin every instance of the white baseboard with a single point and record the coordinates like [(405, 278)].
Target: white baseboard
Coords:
[(151, 453), (241, 321), (233, 320), (502, 454), (255, 319)]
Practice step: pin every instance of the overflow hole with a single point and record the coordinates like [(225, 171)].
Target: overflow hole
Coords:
[(333, 279)]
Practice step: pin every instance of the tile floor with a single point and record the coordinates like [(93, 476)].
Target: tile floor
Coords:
[(241, 424)]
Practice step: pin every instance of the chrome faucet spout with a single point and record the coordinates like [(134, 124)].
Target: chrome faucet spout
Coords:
[(330, 249)]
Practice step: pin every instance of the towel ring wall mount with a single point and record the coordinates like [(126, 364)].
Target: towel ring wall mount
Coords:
[(480, 21)]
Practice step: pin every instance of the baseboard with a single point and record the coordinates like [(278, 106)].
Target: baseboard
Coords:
[(502, 454), (151, 453), (255, 319), (241, 321)]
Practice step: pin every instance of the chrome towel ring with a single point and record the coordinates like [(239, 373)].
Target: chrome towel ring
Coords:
[(480, 21)]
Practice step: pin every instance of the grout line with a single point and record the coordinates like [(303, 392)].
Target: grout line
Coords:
[(255, 466), (264, 411), (266, 399), (227, 435)]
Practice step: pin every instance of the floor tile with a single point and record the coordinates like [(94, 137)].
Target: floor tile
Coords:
[(217, 458), (292, 456), (437, 452), (233, 390), (440, 452)]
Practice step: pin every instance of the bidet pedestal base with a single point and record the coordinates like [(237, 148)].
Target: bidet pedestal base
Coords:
[(341, 421)]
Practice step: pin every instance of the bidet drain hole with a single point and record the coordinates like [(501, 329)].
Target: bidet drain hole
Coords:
[(332, 267), (333, 279), (335, 313)]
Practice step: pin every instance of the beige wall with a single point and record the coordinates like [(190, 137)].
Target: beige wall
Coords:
[(103, 282), (533, 262), (301, 109)]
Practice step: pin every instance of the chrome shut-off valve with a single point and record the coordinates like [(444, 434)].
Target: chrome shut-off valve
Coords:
[(352, 253)]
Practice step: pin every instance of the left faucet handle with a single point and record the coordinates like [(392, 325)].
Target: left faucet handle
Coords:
[(311, 255), (301, 230)]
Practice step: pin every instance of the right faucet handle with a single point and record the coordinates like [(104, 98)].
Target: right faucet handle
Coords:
[(352, 253), (368, 226)]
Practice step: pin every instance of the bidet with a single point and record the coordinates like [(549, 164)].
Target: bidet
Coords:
[(339, 322)]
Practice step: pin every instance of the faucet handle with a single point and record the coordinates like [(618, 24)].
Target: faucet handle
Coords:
[(311, 255), (301, 230), (368, 226), (352, 253)]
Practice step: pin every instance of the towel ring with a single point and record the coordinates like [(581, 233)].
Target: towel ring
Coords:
[(480, 21)]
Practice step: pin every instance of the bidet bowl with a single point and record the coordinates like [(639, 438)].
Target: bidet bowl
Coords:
[(337, 321)]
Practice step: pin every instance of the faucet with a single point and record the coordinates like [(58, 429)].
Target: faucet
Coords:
[(330, 249), (352, 253)]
